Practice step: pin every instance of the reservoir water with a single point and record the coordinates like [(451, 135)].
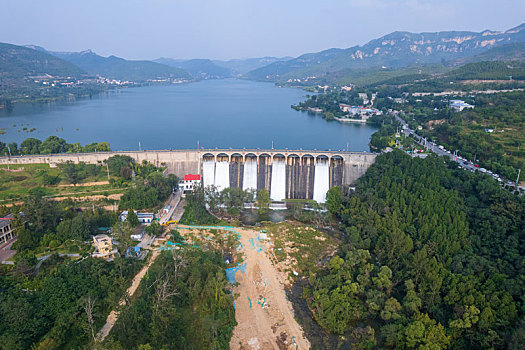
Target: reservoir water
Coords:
[(226, 113)]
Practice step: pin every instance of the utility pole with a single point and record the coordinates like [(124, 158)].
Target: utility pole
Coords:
[(107, 169), (9, 149)]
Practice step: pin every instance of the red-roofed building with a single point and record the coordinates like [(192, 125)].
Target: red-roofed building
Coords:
[(192, 177), (190, 182)]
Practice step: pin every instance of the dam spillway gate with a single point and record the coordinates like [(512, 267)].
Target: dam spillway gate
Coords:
[(290, 176)]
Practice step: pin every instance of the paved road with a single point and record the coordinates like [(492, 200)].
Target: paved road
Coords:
[(173, 201), (431, 146), (179, 210)]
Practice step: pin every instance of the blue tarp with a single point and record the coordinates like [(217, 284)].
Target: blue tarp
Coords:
[(230, 273)]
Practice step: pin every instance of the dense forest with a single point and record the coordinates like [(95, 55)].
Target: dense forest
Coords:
[(49, 300), (183, 304), (490, 70), (52, 314), (44, 305), (433, 259)]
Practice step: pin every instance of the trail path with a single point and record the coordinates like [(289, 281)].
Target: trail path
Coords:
[(114, 314), (264, 315)]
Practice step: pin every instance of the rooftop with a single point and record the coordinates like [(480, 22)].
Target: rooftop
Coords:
[(6, 220), (190, 177)]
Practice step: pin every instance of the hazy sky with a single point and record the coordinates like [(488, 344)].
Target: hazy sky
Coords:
[(147, 29)]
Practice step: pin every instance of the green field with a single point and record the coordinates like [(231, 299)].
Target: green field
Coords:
[(16, 182)]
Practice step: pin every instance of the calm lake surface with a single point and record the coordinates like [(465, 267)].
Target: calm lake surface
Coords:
[(218, 113)]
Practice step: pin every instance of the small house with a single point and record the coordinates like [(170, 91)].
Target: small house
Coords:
[(6, 229), (103, 247), (144, 218), (190, 182)]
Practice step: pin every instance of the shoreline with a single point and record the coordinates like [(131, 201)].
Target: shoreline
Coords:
[(348, 120), (73, 98)]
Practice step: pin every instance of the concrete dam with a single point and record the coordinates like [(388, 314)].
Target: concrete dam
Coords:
[(286, 174)]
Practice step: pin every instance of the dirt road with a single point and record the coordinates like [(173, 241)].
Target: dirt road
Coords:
[(113, 315), (264, 315)]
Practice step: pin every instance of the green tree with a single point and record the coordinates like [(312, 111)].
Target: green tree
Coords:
[(234, 199), (154, 229), (116, 162), (122, 232), (126, 172), (49, 180), (411, 302), (54, 144), (12, 149), (334, 201), (30, 146), (76, 228), (391, 311), (263, 201), (71, 173), (132, 218)]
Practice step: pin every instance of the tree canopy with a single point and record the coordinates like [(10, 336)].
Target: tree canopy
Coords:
[(433, 258)]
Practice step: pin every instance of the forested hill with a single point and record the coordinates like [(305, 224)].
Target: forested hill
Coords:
[(508, 52), (198, 68), (19, 62), (434, 259), (397, 49), (244, 65), (488, 70), (113, 67)]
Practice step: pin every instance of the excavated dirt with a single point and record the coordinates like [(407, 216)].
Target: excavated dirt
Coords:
[(264, 315)]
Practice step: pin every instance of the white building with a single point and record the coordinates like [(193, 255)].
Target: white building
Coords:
[(459, 105), (190, 182), (344, 107), (144, 218)]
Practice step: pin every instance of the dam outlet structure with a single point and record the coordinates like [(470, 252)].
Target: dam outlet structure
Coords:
[(285, 174)]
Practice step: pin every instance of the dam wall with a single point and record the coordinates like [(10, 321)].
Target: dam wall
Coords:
[(286, 174)]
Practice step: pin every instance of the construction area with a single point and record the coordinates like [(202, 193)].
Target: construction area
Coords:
[(265, 317)]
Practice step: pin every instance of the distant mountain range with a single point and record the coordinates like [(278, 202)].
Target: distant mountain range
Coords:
[(244, 65), (113, 67), (210, 69), (198, 68), (19, 62), (391, 56), (398, 49)]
